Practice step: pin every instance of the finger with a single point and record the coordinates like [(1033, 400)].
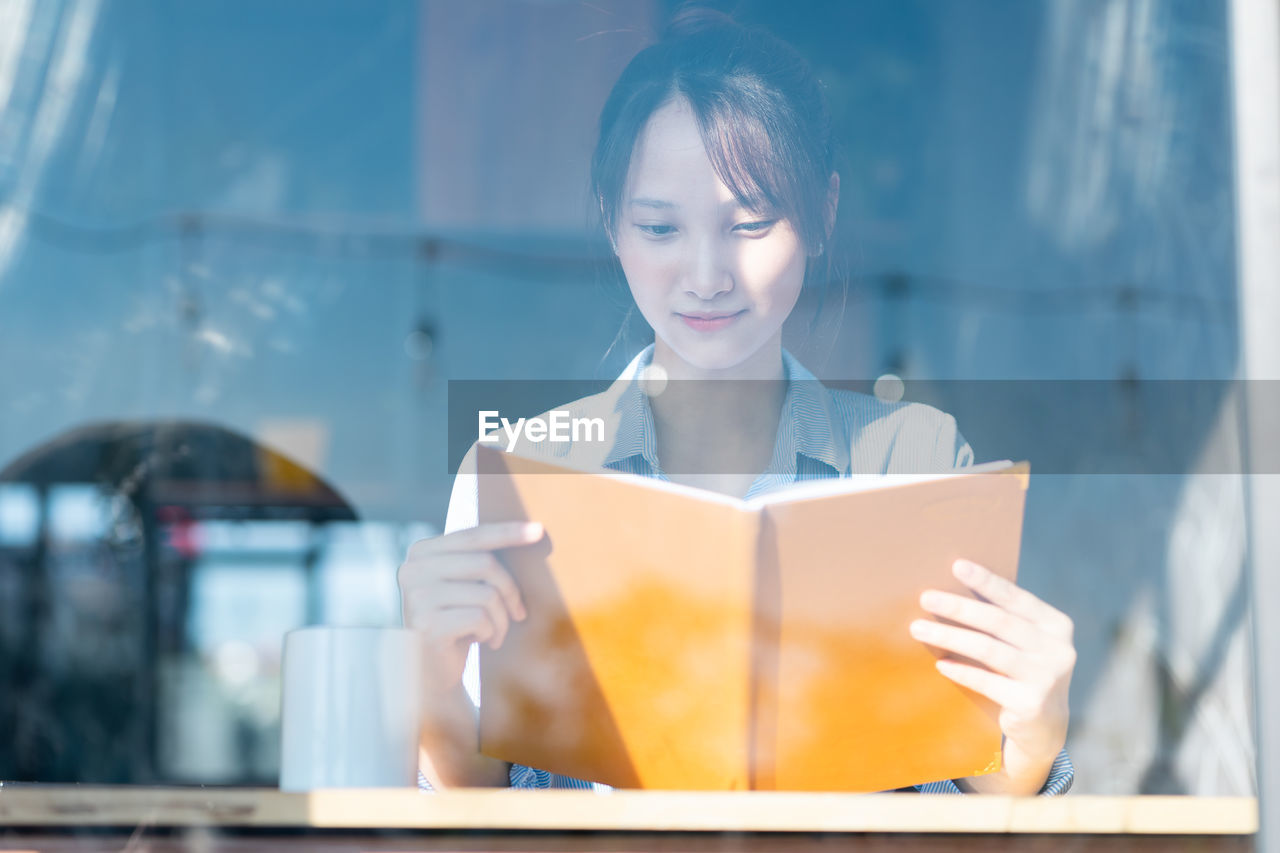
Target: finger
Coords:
[(449, 625), (1005, 692), (996, 621), (455, 594), (1010, 596), (495, 575), (464, 566), (483, 537), (983, 648)]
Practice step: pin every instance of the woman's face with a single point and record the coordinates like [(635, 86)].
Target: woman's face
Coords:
[(713, 279)]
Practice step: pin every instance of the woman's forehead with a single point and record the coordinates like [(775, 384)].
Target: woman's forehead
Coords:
[(670, 162)]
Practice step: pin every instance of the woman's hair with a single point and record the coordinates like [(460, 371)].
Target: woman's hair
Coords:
[(759, 107)]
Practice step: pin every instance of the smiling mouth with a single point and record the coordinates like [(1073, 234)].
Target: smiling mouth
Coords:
[(706, 321)]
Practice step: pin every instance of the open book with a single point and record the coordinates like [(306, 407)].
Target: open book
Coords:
[(681, 639)]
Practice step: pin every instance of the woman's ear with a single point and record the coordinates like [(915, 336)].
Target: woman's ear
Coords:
[(833, 201)]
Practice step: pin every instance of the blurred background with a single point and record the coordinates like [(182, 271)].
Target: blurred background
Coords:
[(244, 247)]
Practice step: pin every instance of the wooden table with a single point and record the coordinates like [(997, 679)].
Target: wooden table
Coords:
[(78, 818)]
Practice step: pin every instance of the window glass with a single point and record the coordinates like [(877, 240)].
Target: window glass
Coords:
[(245, 248)]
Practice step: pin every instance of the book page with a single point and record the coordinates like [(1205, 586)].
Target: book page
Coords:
[(633, 666), (846, 699)]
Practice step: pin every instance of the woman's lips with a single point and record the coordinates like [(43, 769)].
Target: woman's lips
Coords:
[(710, 321)]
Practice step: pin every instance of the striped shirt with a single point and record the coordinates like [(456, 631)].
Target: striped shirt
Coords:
[(822, 433)]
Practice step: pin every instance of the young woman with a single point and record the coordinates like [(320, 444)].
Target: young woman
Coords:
[(714, 177)]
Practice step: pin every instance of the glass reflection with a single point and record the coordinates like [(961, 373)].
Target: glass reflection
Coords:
[(298, 227)]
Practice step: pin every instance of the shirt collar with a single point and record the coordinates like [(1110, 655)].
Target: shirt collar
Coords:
[(809, 425), (635, 434)]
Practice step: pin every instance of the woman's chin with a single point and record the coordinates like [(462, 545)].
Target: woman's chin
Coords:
[(713, 354)]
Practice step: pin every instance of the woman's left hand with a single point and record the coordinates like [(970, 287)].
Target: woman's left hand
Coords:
[(1026, 654)]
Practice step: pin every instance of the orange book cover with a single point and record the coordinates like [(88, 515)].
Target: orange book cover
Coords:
[(684, 640)]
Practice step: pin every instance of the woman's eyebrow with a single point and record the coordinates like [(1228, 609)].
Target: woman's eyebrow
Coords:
[(661, 204), (652, 202)]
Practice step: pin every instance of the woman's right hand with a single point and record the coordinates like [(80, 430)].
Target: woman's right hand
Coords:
[(455, 591)]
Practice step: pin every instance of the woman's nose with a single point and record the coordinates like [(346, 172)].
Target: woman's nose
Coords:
[(709, 271)]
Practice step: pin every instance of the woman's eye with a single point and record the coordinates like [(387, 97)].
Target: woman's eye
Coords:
[(657, 230), (756, 226)]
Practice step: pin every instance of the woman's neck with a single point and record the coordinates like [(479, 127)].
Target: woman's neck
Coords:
[(718, 425), (765, 363)]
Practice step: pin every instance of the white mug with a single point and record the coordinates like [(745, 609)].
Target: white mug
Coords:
[(349, 711)]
